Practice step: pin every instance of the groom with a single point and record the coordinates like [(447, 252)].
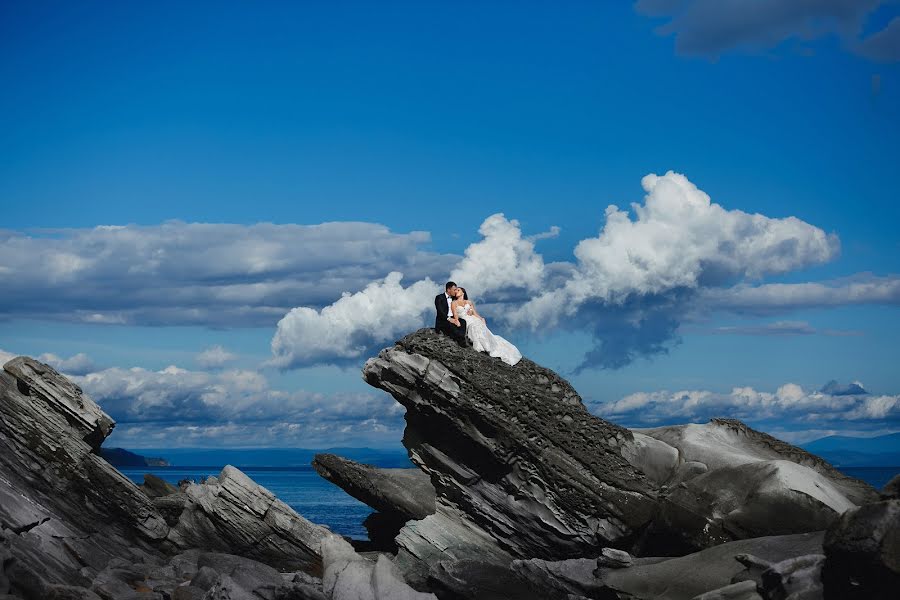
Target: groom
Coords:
[(444, 314)]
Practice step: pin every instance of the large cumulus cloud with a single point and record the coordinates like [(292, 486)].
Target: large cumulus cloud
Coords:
[(222, 275), (633, 284), (676, 256)]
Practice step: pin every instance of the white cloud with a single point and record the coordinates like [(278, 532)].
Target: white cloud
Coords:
[(680, 240), (224, 275), (679, 255), (214, 356), (789, 407), (502, 259), (79, 364), (234, 407), (772, 298), (5, 357), (352, 326)]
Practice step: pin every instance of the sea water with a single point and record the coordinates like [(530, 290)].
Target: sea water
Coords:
[(320, 501)]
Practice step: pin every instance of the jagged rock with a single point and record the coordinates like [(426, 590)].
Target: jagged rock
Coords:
[(70, 521), (236, 515), (686, 577), (65, 508), (427, 548), (350, 576), (798, 578), (731, 443), (34, 378), (863, 553), (405, 491), (514, 448), (157, 487), (397, 494)]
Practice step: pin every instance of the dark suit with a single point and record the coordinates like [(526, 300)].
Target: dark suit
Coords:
[(442, 307)]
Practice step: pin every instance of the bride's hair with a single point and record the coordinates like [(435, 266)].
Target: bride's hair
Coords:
[(465, 295)]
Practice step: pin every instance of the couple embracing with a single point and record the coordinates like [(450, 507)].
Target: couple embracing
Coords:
[(456, 317)]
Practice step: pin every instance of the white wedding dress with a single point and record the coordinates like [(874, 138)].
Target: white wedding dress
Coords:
[(485, 341)]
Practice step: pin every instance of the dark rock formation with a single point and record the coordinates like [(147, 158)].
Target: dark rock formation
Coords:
[(66, 514), (397, 494), (513, 447), (232, 513), (523, 472), (405, 491)]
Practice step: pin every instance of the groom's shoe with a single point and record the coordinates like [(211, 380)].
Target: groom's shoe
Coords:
[(469, 343)]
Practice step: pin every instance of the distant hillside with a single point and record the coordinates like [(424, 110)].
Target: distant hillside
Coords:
[(844, 451), (120, 457), (275, 457)]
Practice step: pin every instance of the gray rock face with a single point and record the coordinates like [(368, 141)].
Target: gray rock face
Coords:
[(405, 491), (232, 513), (513, 448), (72, 526), (729, 481), (34, 378), (64, 510), (749, 500), (397, 494), (731, 443)]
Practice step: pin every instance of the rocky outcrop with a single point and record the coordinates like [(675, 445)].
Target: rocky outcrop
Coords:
[(66, 515), (725, 443), (65, 512), (397, 495), (723, 481), (232, 513), (513, 450), (522, 471)]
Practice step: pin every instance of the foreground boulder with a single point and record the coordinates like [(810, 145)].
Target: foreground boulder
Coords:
[(232, 513), (65, 512)]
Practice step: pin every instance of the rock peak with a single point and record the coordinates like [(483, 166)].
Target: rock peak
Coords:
[(513, 447)]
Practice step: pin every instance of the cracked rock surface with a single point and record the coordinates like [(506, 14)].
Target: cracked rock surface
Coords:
[(68, 518)]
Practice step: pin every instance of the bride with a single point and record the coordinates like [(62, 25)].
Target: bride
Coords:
[(477, 330)]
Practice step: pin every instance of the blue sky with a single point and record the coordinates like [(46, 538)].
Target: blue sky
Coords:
[(258, 158)]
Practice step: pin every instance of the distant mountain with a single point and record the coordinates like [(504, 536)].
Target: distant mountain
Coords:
[(834, 388), (120, 457), (276, 457), (845, 451)]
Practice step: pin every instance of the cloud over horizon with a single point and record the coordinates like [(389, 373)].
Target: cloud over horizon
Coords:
[(631, 286), (212, 274), (789, 408)]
